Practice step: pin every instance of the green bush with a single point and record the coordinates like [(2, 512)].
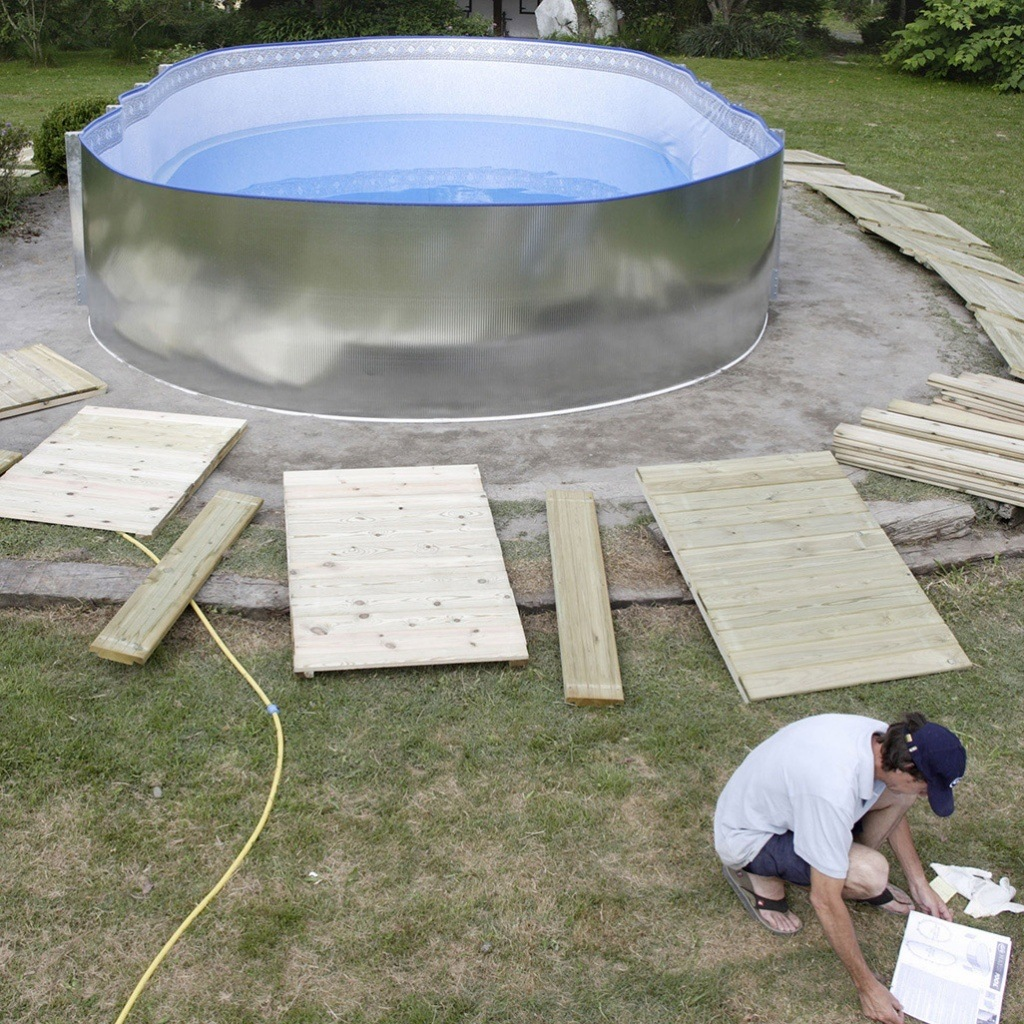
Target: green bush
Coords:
[(71, 116), (972, 39), (286, 23), (752, 36), (877, 33), (13, 139)]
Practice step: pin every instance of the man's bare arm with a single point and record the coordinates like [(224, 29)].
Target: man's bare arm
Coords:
[(876, 1001), (924, 895)]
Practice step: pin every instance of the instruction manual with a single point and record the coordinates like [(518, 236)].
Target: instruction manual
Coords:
[(949, 974)]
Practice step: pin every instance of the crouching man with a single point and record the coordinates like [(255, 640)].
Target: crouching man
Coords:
[(812, 806)]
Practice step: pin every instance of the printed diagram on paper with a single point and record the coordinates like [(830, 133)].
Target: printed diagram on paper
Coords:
[(949, 974)]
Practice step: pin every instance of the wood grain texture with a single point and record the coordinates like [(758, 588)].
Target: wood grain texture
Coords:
[(134, 633), (1007, 334), (800, 592), (392, 567), (36, 377), (586, 635), (117, 469), (829, 176)]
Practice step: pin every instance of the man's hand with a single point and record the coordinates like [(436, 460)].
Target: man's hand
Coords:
[(878, 1003), (929, 902)]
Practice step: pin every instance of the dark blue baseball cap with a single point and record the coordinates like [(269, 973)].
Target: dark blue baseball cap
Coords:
[(941, 759)]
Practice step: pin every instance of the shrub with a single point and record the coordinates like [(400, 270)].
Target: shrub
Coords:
[(13, 139), (751, 36), (282, 24), (877, 33), (71, 116), (974, 39)]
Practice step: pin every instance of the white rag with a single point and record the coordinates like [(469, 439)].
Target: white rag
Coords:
[(987, 898)]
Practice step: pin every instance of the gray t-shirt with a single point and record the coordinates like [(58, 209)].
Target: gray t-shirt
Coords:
[(814, 778)]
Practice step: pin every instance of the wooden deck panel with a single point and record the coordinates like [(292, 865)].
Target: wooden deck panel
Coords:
[(982, 291), (808, 603), (586, 634), (870, 209), (829, 176), (117, 469), (142, 622), (805, 156), (393, 567), (36, 377), (1007, 334)]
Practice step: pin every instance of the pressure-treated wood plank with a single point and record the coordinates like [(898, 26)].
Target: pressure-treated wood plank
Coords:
[(143, 620), (805, 156), (795, 589), (980, 290), (586, 635), (36, 377), (868, 209), (928, 430), (982, 392), (117, 469), (8, 459), (918, 243), (396, 566), (959, 418), (817, 176), (1007, 334)]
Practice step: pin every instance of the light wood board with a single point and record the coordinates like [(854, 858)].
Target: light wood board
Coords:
[(392, 567), (810, 601), (1007, 334), (805, 156), (36, 377), (117, 469), (982, 291), (868, 209), (586, 634), (818, 176), (134, 633), (918, 244)]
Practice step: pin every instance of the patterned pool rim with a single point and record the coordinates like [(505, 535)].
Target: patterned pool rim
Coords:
[(405, 311)]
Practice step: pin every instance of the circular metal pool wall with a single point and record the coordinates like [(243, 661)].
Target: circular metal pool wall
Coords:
[(427, 228)]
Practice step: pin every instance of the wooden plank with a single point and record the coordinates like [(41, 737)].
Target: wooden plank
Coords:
[(961, 437), (8, 459), (868, 209), (805, 156), (789, 584), (36, 377), (865, 668), (397, 566), (818, 177), (917, 243), (144, 619), (981, 290), (117, 469), (586, 635), (959, 417), (983, 392), (1007, 334)]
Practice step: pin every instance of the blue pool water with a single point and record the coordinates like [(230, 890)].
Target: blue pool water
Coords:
[(425, 160)]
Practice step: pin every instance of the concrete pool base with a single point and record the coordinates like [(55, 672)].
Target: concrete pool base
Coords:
[(855, 325)]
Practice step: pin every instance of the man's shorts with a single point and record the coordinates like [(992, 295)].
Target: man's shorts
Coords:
[(778, 859)]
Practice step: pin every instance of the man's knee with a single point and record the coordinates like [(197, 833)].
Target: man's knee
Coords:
[(868, 874)]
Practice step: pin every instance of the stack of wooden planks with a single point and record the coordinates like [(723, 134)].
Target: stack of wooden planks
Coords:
[(797, 582), (36, 377), (971, 439), (993, 292)]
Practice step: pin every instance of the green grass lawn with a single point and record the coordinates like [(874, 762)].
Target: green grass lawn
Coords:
[(482, 852)]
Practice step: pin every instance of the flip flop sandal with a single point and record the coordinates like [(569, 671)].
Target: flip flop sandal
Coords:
[(754, 904), (885, 897)]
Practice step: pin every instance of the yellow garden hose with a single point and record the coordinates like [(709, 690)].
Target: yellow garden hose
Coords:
[(208, 898)]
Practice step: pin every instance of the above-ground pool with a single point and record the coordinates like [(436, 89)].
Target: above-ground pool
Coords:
[(426, 228)]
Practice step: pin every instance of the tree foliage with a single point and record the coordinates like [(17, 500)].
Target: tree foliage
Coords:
[(972, 39)]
